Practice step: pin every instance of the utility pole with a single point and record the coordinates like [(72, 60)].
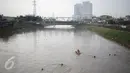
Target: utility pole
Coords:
[(34, 8)]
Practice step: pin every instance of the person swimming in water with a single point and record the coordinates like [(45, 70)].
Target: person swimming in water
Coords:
[(78, 52)]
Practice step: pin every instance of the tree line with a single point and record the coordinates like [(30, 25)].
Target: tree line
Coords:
[(111, 20)]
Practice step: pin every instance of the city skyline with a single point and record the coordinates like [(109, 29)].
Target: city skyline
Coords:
[(115, 8)]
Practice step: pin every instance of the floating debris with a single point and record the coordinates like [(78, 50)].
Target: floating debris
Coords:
[(42, 69), (61, 64), (114, 54), (94, 56), (109, 54)]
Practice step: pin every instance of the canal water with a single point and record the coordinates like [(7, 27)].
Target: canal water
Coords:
[(52, 50)]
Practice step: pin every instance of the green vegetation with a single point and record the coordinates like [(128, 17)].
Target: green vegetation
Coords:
[(27, 21), (10, 26), (6, 21), (121, 37), (28, 18)]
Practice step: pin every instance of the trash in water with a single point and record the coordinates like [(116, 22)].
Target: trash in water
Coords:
[(109, 54), (42, 69), (94, 56), (61, 64), (114, 54)]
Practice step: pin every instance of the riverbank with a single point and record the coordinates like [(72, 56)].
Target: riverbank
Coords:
[(18, 28), (121, 37)]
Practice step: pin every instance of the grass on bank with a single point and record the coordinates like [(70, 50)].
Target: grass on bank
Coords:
[(121, 37)]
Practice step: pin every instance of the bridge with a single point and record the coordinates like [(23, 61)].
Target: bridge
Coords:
[(62, 21)]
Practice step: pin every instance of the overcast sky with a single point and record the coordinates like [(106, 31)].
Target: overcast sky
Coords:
[(63, 7)]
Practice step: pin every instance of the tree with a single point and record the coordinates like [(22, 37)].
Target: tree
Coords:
[(128, 17), (29, 18), (120, 21), (111, 21), (1, 16), (106, 17)]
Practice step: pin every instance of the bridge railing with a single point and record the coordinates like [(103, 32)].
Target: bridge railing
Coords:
[(54, 20)]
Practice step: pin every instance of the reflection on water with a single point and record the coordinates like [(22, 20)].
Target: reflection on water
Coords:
[(60, 26), (52, 46), (5, 34)]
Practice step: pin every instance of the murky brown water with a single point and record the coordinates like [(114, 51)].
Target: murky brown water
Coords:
[(47, 49)]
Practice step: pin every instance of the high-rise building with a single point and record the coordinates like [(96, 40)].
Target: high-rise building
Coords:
[(87, 10), (83, 10), (77, 11)]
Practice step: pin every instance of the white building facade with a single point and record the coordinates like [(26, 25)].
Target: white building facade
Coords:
[(83, 11)]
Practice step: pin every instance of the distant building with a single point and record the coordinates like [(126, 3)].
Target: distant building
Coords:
[(87, 10), (77, 11), (83, 11)]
